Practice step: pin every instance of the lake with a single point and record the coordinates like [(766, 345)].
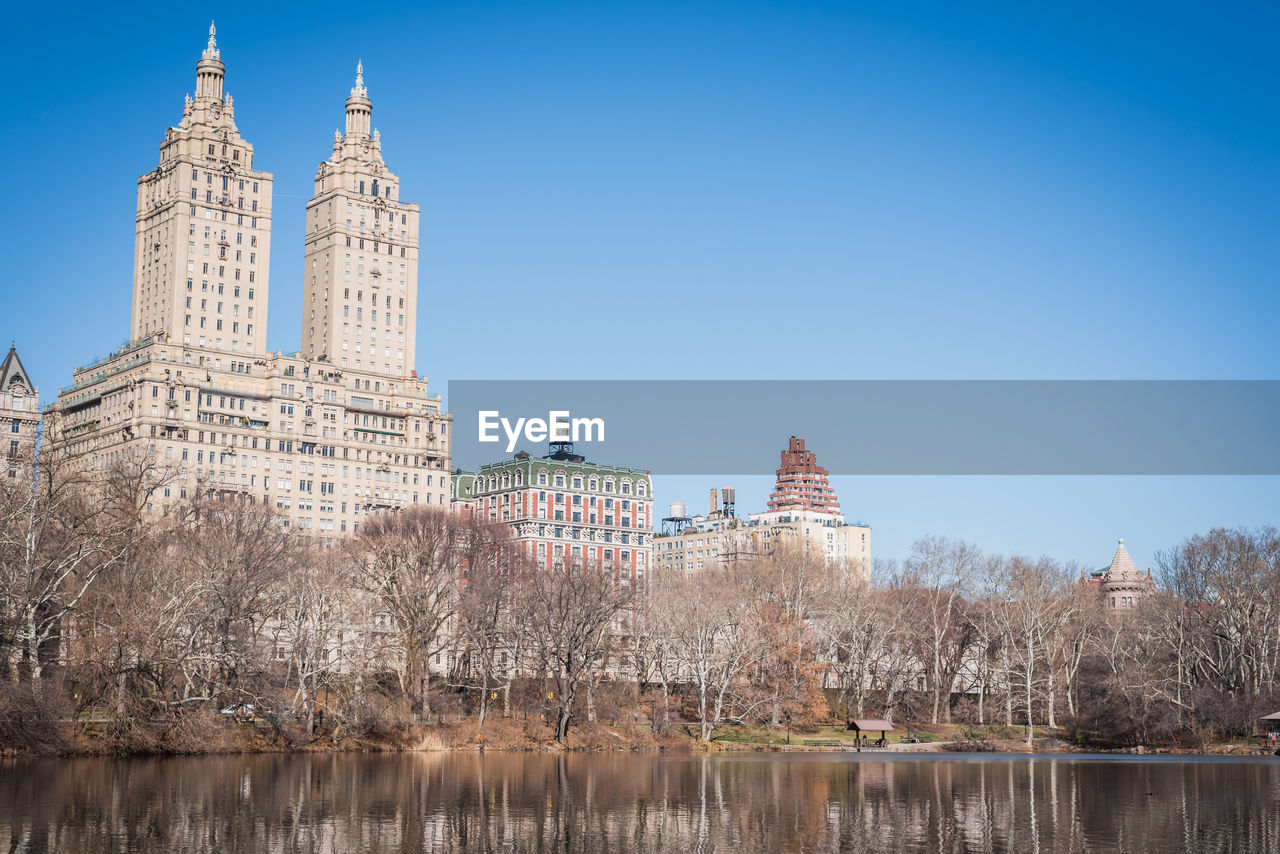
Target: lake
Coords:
[(641, 802)]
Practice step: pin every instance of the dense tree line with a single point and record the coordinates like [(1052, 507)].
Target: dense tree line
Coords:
[(151, 629)]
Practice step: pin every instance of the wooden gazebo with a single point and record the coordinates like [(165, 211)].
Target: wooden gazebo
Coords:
[(866, 726), (1270, 723)]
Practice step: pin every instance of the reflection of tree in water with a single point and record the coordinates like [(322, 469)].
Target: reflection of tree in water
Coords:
[(591, 802)]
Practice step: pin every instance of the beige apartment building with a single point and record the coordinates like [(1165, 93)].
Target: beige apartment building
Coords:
[(804, 514), (360, 291), (203, 229), (325, 437), (717, 540)]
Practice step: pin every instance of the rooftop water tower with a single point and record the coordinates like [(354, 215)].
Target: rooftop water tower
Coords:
[(677, 521)]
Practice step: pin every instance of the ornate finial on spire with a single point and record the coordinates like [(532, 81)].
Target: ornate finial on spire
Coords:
[(211, 51), (359, 89), (1121, 541)]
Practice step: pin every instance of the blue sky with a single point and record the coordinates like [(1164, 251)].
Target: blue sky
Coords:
[(773, 191)]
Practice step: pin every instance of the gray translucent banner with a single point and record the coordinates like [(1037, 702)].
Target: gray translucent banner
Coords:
[(714, 427)]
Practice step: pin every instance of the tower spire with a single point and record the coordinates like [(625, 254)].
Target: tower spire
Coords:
[(210, 70), (359, 109)]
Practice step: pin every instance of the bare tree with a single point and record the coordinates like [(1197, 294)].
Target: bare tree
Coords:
[(58, 533), (316, 624), (412, 561), (710, 622), (788, 585), (490, 626), (241, 552), (572, 610), (939, 573), (1028, 602), (863, 629)]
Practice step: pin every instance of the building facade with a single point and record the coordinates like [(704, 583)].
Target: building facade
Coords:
[(203, 231), (803, 514), (360, 285), (561, 507), (19, 415), (326, 443)]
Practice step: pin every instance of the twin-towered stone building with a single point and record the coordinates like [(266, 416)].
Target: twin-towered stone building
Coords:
[(328, 435)]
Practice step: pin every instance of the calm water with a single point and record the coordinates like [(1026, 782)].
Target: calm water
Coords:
[(623, 802)]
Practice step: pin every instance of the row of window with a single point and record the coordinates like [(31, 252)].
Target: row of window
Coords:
[(593, 483), (226, 180)]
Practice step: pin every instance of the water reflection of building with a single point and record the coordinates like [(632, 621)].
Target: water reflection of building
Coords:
[(426, 801), (1121, 584)]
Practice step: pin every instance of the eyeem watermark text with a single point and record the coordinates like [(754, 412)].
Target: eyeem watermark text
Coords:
[(559, 426)]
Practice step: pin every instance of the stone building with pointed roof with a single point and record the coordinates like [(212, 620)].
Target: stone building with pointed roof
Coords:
[(19, 413), (1121, 584)]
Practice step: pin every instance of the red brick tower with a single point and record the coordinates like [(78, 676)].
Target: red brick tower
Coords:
[(802, 483)]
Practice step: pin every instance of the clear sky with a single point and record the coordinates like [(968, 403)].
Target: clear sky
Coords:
[(770, 191)]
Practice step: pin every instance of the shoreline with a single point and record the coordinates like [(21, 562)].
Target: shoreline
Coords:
[(598, 738)]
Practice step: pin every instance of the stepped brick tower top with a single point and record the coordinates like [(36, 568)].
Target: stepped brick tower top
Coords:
[(802, 483)]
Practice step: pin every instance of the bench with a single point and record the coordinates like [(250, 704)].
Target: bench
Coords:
[(817, 742)]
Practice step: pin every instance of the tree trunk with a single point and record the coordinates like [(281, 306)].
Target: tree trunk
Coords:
[(33, 652), (1051, 699), (982, 694), (1030, 675), (937, 688)]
